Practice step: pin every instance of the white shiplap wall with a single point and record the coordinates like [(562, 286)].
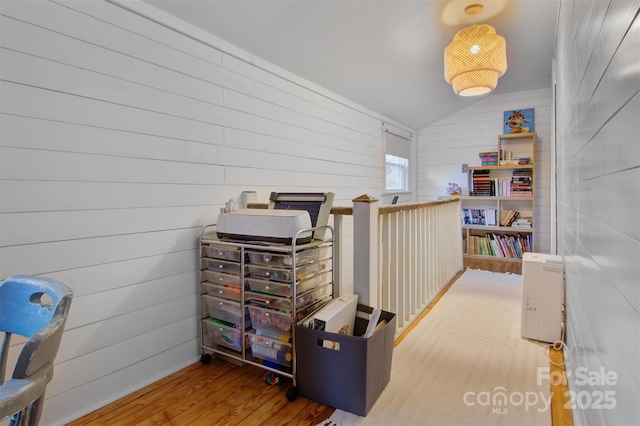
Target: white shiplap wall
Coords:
[(598, 154), (444, 146), (120, 139)]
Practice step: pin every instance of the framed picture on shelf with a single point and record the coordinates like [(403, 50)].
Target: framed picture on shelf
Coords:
[(519, 121)]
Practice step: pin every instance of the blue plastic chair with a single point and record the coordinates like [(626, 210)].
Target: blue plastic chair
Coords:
[(37, 309)]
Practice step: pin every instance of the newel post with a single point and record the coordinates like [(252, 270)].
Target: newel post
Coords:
[(365, 250)]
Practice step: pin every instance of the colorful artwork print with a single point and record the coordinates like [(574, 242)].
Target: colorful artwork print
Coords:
[(519, 121)]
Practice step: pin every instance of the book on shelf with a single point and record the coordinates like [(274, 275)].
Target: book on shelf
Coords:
[(505, 155), (489, 158), (496, 245), (480, 183), (519, 161), (521, 180), (507, 217), (501, 187), (523, 222), (519, 185), (483, 217)]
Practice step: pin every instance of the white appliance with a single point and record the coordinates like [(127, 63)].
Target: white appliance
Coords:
[(268, 225), (542, 297), (318, 204)]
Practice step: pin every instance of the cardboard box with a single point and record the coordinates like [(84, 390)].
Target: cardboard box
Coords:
[(352, 376)]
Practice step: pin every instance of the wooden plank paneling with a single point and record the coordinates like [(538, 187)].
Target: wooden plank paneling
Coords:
[(108, 35), (94, 279), (598, 185), (27, 132), (45, 227), (35, 259), (277, 113), (120, 138), (45, 104), (96, 335), (342, 112), (132, 23), (70, 195), (333, 149), (125, 353), (125, 300), (44, 45), (283, 178), (63, 166)]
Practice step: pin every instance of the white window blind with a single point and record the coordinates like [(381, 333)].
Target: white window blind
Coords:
[(396, 145)]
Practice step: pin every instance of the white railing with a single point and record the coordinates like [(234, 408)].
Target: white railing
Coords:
[(403, 255)]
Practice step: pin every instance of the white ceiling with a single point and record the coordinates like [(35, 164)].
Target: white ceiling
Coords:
[(385, 55)]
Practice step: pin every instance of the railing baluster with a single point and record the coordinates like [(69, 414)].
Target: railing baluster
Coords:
[(404, 255)]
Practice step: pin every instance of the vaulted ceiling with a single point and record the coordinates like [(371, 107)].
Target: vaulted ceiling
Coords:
[(386, 55)]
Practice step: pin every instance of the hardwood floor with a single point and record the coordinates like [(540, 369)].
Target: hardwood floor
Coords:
[(220, 393)]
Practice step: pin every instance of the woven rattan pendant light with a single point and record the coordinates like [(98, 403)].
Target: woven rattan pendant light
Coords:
[(475, 59)]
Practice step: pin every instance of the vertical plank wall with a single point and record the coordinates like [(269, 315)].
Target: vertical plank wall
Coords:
[(120, 139), (457, 139), (598, 154)]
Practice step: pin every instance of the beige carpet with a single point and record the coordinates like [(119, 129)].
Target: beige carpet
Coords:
[(465, 363)]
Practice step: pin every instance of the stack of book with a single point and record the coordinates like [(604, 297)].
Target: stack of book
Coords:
[(507, 217), (489, 158), (509, 162), (481, 182), (505, 246), (502, 187), (506, 158), (522, 222), (521, 183), (485, 217)]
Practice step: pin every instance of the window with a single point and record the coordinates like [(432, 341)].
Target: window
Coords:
[(396, 160), (397, 171)]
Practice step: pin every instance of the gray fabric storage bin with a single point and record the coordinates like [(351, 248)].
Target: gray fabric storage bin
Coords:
[(352, 377)]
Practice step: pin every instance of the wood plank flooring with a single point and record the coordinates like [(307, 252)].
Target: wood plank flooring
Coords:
[(220, 393)]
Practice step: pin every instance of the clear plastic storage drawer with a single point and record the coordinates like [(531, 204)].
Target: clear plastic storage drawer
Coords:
[(221, 278), (228, 292), (223, 266), (285, 260), (271, 349), (224, 335), (284, 289), (286, 275), (222, 252), (269, 319), (227, 310), (269, 301), (284, 303)]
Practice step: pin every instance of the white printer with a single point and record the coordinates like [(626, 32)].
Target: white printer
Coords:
[(268, 225), (287, 213)]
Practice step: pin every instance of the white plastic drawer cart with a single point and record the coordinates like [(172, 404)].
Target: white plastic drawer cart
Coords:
[(253, 293)]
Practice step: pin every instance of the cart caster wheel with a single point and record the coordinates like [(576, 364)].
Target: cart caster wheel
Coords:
[(205, 358), (292, 394)]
